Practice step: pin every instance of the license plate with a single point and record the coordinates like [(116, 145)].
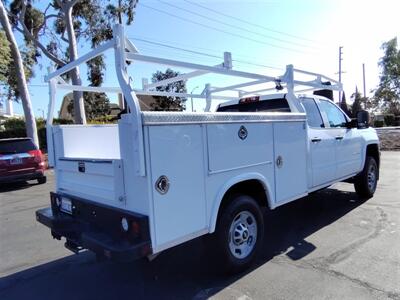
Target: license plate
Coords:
[(16, 161), (66, 205)]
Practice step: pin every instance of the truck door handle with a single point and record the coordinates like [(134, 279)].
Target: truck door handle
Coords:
[(316, 140), (339, 137)]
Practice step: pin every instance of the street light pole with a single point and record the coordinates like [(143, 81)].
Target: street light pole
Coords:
[(191, 98)]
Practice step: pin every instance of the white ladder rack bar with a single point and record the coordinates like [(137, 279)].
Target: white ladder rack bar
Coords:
[(84, 58), (100, 89), (315, 74), (237, 86), (177, 78), (176, 63)]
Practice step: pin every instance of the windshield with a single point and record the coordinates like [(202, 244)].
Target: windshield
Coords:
[(16, 146)]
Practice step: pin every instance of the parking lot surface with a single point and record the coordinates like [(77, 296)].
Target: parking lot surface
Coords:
[(329, 245)]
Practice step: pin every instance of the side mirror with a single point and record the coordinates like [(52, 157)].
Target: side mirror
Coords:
[(352, 124), (362, 119)]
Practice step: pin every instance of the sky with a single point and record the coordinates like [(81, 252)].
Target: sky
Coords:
[(263, 37)]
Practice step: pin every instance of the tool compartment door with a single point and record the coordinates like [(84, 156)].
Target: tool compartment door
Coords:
[(176, 152), (290, 147)]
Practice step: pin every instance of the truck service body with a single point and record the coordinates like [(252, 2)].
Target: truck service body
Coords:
[(158, 179)]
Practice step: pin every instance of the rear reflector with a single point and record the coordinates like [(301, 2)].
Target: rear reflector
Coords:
[(249, 99)]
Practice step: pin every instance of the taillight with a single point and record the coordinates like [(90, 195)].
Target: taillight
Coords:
[(37, 154)]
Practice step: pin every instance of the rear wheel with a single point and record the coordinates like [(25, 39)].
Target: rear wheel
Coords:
[(42, 180), (239, 233), (366, 182)]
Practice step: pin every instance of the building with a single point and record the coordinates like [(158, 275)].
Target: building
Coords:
[(6, 109)]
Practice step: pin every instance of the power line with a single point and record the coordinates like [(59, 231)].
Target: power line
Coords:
[(220, 30), (234, 26), (236, 54), (176, 48), (249, 23), (203, 54)]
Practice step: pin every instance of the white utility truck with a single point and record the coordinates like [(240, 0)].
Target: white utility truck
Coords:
[(158, 179)]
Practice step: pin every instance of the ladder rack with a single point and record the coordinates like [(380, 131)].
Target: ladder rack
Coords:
[(125, 51)]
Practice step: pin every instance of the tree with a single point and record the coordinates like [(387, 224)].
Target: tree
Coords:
[(57, 29), (5, 57), (387, 95), (169, 103), (8, 74), (31, 130), (96, 105), (356, 107), (343, 105)]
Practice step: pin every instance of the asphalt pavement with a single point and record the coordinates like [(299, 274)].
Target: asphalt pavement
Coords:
[(329, 245)]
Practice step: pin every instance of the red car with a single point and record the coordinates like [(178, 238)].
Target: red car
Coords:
[(21, 160)]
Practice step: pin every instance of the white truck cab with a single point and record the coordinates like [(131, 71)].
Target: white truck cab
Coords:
[(157, 179)]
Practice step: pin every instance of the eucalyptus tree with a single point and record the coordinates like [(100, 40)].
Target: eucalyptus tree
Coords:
[(57, 29), (19, 73), (387, 95)]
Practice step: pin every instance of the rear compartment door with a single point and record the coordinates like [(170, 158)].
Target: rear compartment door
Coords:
[(99, 180), (176, 152)]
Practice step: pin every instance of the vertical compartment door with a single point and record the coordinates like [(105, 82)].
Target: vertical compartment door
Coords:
[(177, 154), (290, 151)]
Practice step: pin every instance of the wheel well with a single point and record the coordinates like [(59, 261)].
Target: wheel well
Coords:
[(373, 151), (253, 188)]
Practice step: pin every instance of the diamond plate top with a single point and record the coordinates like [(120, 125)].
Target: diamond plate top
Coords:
[(163, 118)]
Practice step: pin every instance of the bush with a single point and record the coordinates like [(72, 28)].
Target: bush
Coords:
[(389, 120), (397, 121), (378, 123), (14, 124), (104, 120)]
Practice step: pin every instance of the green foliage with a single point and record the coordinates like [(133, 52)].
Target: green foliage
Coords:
[(8, 75), (378, 123), (5, 57), (356, 106), (389, 120), (92, 21), (96, 105), (169, 103), (14, 123), (387, 95), (104, 120)]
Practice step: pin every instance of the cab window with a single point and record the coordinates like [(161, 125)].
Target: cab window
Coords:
[(271, 105), (314, 118), (335, 117)]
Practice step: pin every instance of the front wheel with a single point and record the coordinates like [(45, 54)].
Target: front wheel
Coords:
[(239, 233), (366, 182)]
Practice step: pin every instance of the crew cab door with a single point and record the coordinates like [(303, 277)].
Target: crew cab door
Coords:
[(348, 142), (322, 158)]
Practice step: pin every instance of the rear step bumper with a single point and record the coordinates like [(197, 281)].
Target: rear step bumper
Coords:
[(98, 228)]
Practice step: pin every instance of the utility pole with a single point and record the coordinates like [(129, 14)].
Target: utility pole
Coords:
[(340, 69), (365, 89)]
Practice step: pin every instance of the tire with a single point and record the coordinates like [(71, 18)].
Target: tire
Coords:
[(365, 183), (42, 180), (239, 234)]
